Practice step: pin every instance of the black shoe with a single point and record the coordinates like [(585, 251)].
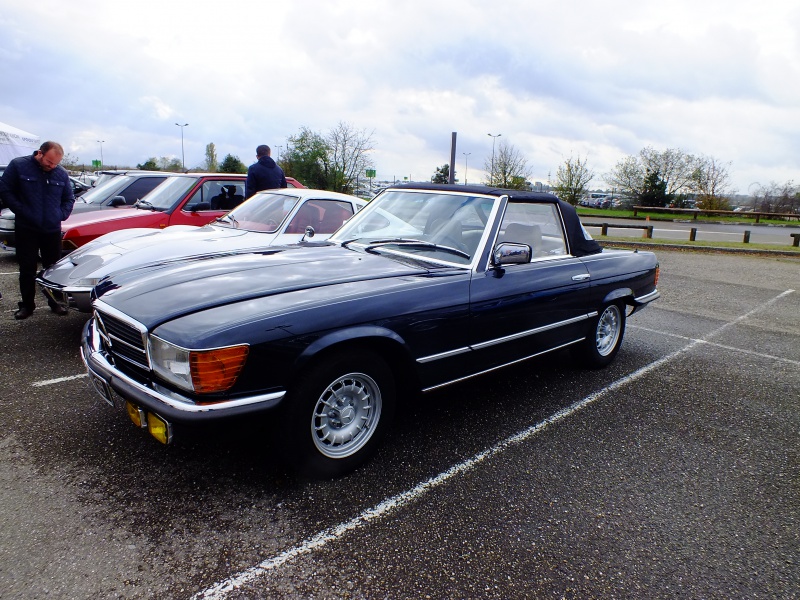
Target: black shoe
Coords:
[(59, 310), (23, 313)]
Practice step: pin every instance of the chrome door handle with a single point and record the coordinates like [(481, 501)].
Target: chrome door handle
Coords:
[(582, 277)]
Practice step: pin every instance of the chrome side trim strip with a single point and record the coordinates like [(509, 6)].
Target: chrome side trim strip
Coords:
[(508, 338), (448, 354), (513, 362), (522, 334)]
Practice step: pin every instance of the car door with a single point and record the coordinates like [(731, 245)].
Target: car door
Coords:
[(198, 208), (519, 310)]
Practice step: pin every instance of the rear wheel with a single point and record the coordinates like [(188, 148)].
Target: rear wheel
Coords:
[(334, 420), (605, 339)]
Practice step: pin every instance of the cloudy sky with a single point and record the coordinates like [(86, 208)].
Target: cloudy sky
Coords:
[(560, 78)]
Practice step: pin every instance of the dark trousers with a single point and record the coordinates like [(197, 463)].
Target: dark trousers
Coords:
[(29, 244)]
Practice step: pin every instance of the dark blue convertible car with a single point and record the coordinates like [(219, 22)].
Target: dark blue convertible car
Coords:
[(426, 286)]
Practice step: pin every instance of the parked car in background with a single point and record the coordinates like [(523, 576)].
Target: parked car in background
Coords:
[(119, 190), (268, 218), (78, 187), (181, 199), (596, 200), (426, 286)]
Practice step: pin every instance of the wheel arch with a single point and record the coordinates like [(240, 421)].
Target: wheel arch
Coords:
[(381, 341), (624, 295)]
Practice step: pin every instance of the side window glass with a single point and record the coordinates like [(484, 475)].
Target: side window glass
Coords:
[(537, 225), (139, 188), (325, 216), (224, 195), (195, 201)]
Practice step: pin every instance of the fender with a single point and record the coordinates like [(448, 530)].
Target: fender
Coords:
[(350, 334), (625, 294)]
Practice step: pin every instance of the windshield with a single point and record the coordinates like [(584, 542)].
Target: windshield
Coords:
[(441, 226), (102, 192), (263, 212), (167, 194)]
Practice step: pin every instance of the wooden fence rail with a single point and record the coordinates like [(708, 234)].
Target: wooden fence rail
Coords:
[(694, 212)]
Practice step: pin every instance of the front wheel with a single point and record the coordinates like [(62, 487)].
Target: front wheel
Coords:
[(334, 420), (602, 344)]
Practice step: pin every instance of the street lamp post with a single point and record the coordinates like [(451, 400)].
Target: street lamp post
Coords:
[(101, 142), (183, 156), (494, 139), (466, 165)]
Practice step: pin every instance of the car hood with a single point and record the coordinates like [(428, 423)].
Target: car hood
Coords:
[(157, 294), (99, 216), (134, 248)]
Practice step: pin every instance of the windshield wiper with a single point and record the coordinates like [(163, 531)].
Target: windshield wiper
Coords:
[(416, 244), (229, 217)]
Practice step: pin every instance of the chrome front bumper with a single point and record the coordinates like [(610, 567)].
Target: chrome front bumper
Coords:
[(79, 298), (166, 403)]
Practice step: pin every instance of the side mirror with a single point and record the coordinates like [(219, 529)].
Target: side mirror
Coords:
[(118, 201), (507, 253), (201, 206), (308, 234)]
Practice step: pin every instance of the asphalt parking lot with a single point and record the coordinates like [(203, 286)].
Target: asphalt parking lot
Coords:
[(675, 472)]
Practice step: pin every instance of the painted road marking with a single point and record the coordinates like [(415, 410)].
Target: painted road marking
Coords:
[(221, 589)]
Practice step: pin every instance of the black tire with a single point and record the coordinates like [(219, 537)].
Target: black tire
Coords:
[(337, 415), (604, 339)]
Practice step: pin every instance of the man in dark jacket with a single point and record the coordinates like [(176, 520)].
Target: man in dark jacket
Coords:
[(264, 174), (39, 193)]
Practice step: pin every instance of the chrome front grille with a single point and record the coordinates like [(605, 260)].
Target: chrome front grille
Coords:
[(122, 339)]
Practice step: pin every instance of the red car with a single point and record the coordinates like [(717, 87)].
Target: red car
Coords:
[(183, 199)]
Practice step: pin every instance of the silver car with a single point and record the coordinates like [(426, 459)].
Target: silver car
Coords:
[(269, 218)]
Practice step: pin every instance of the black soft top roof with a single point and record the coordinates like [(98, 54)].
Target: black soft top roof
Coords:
[(579, 244)]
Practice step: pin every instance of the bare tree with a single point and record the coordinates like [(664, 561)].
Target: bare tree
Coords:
[(675, 168), (572, 179), (628, 177), (348, 156), (711, 183), (510, 168), (777, 197)]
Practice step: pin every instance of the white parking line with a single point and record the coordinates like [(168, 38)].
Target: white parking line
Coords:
[(720, 346), (221, 589), (59, 380)]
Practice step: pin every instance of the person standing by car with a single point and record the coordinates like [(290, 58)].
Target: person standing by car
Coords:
[(40, 194), (265, 174)]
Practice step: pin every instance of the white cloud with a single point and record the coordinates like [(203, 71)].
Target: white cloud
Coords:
[(602, 80)]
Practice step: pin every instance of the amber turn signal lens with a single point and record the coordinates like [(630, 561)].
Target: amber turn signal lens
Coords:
[(217, 370)]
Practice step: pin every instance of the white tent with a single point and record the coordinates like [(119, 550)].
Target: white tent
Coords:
[(15, 142)]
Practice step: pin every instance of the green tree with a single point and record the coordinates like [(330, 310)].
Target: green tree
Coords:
[(332, 162), (655, 190), (572, 180), (510, 168), (149, 165), (211, 163), (442, 174), (306, 159), (165, 163), (232, 164)]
